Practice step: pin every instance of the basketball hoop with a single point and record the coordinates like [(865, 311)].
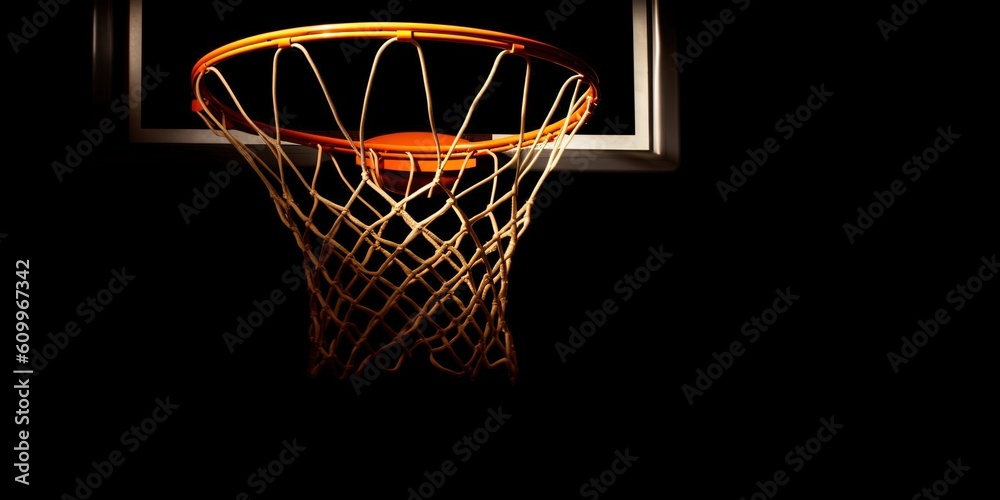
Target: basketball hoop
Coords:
[(416, 253)]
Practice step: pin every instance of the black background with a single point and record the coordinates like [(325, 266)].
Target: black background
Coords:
[(825, 358), (454, 69)]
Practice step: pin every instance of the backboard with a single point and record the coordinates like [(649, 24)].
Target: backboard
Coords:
[(634, 128)]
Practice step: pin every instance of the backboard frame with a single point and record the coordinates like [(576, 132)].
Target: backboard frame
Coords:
[(655, 146)]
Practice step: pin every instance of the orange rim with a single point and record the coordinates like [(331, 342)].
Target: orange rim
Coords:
[(524, 47)]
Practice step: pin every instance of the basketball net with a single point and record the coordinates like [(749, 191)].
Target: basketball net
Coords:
[(413, 258)]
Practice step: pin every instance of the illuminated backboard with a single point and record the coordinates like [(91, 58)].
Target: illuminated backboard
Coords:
[(635, 125)]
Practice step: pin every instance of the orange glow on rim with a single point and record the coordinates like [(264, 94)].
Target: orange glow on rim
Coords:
[(411, 141), (403, 32)]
